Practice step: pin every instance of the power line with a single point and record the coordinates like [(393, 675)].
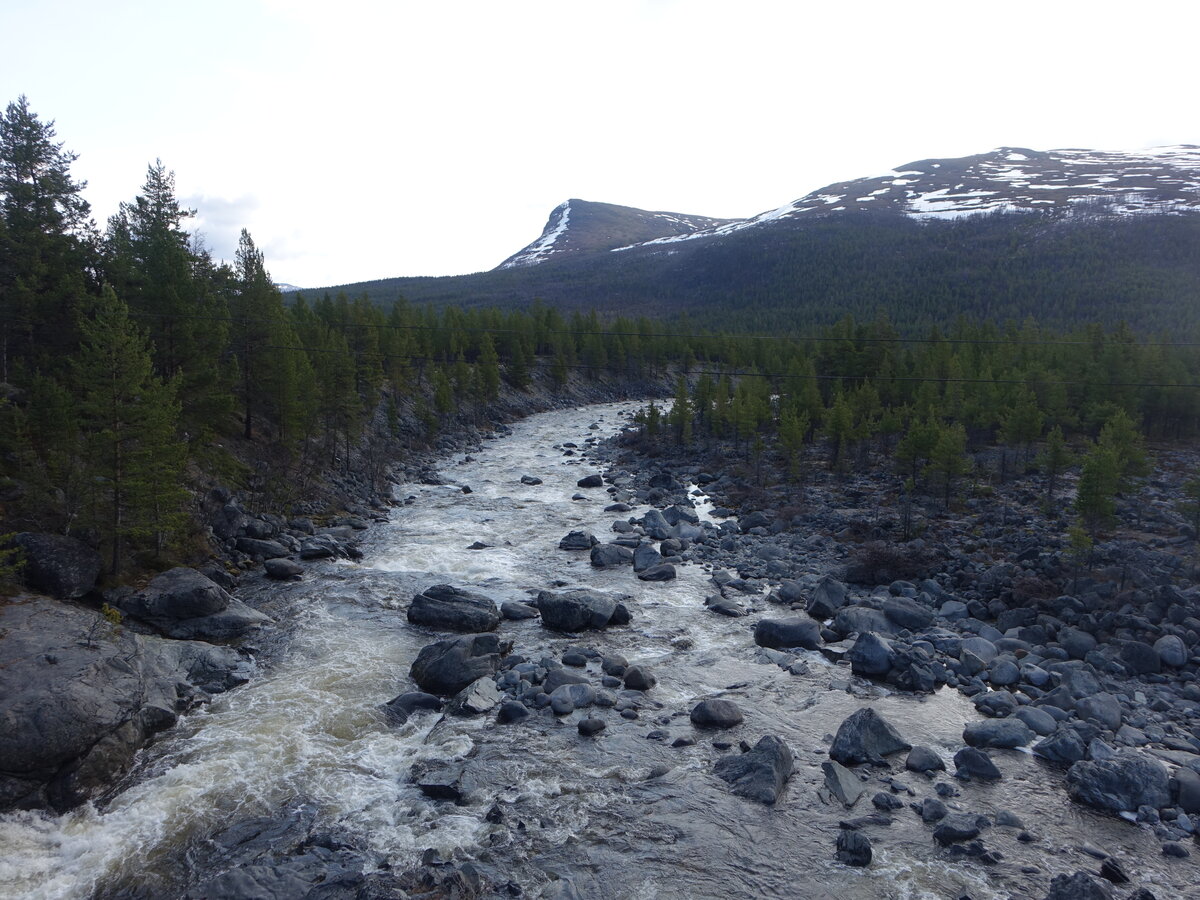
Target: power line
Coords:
[(786, 375), (798, 339)]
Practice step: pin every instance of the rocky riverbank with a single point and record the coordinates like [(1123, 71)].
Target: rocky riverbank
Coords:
[(1090, 664), (92, 674)]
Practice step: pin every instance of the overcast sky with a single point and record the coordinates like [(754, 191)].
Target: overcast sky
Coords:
[(360, 140)]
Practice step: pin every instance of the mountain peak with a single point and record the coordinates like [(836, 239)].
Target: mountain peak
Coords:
[(581, 226)]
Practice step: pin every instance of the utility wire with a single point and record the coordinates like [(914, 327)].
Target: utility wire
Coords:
[(799, 339), (785, 375)]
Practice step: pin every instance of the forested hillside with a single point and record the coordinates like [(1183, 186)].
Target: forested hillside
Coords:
[(996, 267), (138, 371)]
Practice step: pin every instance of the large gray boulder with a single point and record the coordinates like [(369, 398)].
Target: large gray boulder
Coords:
[(865, 736), (184, 604), (446, 667), (449, 608), (1125, 782), (794, 631), (605, 556), (1003, 733), (761, 773), (827, 599), (580, 610), (56, 565), (79, 696)]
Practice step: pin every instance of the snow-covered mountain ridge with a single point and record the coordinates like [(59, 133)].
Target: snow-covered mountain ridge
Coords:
[(1067, 182)]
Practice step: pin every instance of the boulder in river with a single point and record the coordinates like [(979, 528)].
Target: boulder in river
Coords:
[(871, 656), (794, 631), (606, 556), (972, 763), (283, 569), (1005, 733), (1126, 781), (448, 608), (590, 481), (661, 572), (866, 737), (446, 667), (759, 774), (579, 610), (853, 848), (1080, 886), (183, 603), (578, 540), (716, 713)]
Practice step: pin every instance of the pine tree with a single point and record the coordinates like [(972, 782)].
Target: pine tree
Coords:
[(1098, 484), (128, 417), (1054, 458), (46, 243), (948, 460)]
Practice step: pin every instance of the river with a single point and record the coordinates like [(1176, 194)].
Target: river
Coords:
[(552, 813)]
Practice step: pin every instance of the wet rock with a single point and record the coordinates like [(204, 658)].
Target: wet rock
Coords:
[(796, 631), (448, 608), (283, 569), (184, 604), (973, 764), (885, 802), (922, 759), (871, 656), (440, 781), (400, 708), (907, 613), (530, 480), (475, 699), (1003, 733), (639, 678), (996, 704), (511, 711), (1113, 871), (606, 556), (261, 549), (958, 827), (578, 540), (715, 713), (514, 610), (590, 727), (446, 667), (590, 481), (859, 619), (646, 557), (577, 610), (60, 566), (1079, 886), (1039, 721), (79, 697), (759, 774), (663, 572), (866, 737), (843, 784), (1103, 708), (1127, 781), (853, 848), (1064, 746), (320, 546), (931, 810), (724, 606), (828, 597)]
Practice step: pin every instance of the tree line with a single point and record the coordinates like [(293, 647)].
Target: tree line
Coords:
[(136, 369)]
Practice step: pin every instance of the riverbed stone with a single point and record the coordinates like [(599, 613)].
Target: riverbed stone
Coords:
[(971, 763), (578, 540), (590, 481), (716, 713), (1004, 733), (853, 848), (661, 572), (476, 698), (578, 610), (761, 773), (1079, 886), (923, 759), (795, 631), (843, 784), (446, 667), (607, 556), (283, 569), (449, 608), (866, 737), (1125, 782)]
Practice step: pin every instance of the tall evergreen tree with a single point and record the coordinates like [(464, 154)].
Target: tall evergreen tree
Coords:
[(128, 417)]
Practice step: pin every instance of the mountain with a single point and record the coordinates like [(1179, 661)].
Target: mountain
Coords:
[(1065, 236), (581, 226)]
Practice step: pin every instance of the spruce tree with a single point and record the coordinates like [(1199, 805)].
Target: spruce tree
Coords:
[(128, 417)]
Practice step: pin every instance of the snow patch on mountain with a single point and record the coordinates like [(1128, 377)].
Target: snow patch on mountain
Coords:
[(541, 249), (1070, 182)]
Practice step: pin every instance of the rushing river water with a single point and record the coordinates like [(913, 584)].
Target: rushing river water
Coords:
[(579, 817)]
